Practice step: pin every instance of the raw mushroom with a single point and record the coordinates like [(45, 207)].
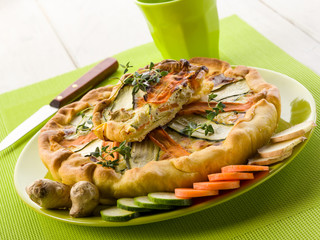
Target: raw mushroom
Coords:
[(85, 197), (49, 194)]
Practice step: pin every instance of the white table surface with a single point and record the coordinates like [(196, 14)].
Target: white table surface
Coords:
[(40, 39)]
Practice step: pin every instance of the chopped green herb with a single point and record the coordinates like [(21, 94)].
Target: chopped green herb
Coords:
[(211, 97), (86, 126), (192, 127), (123, 150), (126, 67), (82, 113), (211, 114), (109, 163), (142, 81)]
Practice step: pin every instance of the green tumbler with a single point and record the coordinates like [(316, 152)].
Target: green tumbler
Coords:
[(183, 28)]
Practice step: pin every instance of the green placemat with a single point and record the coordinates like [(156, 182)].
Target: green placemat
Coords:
[(287, 206)]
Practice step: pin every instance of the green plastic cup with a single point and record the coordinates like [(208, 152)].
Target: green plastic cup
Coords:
[(183, 28)]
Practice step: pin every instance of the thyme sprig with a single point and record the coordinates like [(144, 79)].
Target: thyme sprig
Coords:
[(86, 126), (142, 81), (87, 123), (192, 127), (210, 115), (123, 150), (126, 67)]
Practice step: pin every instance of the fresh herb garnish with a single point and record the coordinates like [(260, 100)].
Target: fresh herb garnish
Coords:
[(142, 81), (211, 97), (109, 163), (126, 67), (211, 114), (192, 127), (86, 122), (123, 150), (82, 113)]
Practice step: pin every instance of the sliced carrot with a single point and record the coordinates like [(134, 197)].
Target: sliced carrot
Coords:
[(244, 168), (191, 193), (222, 185), (201, 107), (162, 91), (161, 138), (111, 145), (78, 141), (230, 176)]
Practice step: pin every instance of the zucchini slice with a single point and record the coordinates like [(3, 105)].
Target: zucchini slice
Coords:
[(220, 130), (123, 100), (89, 147), (143, 152), (115, 214), (129, 205), (145, 202), (232, 89), (168, 198), (79, 148)]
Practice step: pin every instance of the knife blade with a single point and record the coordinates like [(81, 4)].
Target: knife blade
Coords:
[(94, 76)]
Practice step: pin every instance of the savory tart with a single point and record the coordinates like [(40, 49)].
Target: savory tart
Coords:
[(165, 126)]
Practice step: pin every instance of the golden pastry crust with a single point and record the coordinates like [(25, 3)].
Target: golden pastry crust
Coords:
[(247, 135)]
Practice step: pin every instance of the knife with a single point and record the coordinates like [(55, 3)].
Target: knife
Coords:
[(96, 75)]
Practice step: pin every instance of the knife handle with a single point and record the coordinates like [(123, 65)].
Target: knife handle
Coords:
[(95, 75)]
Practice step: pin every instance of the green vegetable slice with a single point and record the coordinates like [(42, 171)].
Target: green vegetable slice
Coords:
[(232, 89), (129, 205), (145, 202), (143, 152), (115, 214), (168, 198), (220, 130)]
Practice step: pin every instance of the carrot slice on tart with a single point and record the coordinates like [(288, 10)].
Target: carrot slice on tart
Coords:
[(161, 138), (219, 185), (110, 145), (244, 168), (230, 176), (78, 141), (202, 107), (191, 193)]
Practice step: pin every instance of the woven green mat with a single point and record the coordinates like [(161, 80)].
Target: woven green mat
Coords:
[(287, 206)]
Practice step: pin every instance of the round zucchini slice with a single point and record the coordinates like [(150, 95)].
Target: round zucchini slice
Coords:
[(115, 214), (145, 202), (168, 198), (129, 205)]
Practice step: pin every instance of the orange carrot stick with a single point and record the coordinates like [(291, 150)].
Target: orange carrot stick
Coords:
[(78, 141), (161, 138), (222, 185), (111, 145), (244, 168), (191, 193), (201, 107), (230, 176)]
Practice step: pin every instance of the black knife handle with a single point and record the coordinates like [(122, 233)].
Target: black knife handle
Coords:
[(96, 75)]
